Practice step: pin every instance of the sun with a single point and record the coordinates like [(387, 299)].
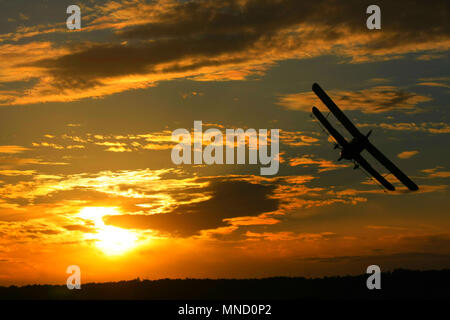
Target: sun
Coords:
[(111, 240)]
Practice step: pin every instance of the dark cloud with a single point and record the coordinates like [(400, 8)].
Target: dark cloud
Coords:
[(372, 100), (79, 227), (197, 18), (41, 231), (419, 251), (209, 33), (110, 60), (229, 199), (429, 243), (193, 18), (389, 261)]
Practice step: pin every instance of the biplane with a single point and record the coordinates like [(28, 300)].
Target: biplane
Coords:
[(351, 150)]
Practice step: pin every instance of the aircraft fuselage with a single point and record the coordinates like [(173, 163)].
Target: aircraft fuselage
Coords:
[(353, 148)]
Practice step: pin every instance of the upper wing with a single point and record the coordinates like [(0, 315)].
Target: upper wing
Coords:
[(336, 135), (391, 167), (363, 163), (336, 111)]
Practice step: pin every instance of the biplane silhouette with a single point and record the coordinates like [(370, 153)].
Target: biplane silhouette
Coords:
[(351, 150)]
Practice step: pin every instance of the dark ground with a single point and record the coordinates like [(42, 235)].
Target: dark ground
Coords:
[(399, 284)]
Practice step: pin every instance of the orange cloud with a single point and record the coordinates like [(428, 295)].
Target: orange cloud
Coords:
[(430, 127), (407, 154), (12, 149), (252, 221), (434, 84), (324, 165), (46, 144), (436, 173), (149, 41), (17, 172), (289, 236), (296, 138), (373, 100), (12, 162)]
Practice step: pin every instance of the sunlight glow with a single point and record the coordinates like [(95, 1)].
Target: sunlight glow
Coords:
[(111, 240)]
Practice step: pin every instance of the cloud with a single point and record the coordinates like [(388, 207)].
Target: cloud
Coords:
[(167, 203), (252, 221), (12, 149), (13, 162), (430, 127), (390, 261), (289, 236), (13, 58), (162, 140), (210, 40), (17, 172), (390, 228), (373, 100), (48, 145), (407, 154), (119, 149), (434, 84), (401, 190), (379, 80), (79, 227), (296, 138), (436, 173), (427, 57), (324, 165), (229, 199), (138, 184)]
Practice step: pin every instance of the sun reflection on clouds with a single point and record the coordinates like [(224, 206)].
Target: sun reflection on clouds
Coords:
[(111, 240)]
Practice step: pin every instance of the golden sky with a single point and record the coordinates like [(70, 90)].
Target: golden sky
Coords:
[(86, 116)]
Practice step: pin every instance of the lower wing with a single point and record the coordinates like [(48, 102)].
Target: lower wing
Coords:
[(391, 167), (374, 173), (336, 135)]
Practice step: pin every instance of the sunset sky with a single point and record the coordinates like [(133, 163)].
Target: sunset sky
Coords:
[(86, 176)]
